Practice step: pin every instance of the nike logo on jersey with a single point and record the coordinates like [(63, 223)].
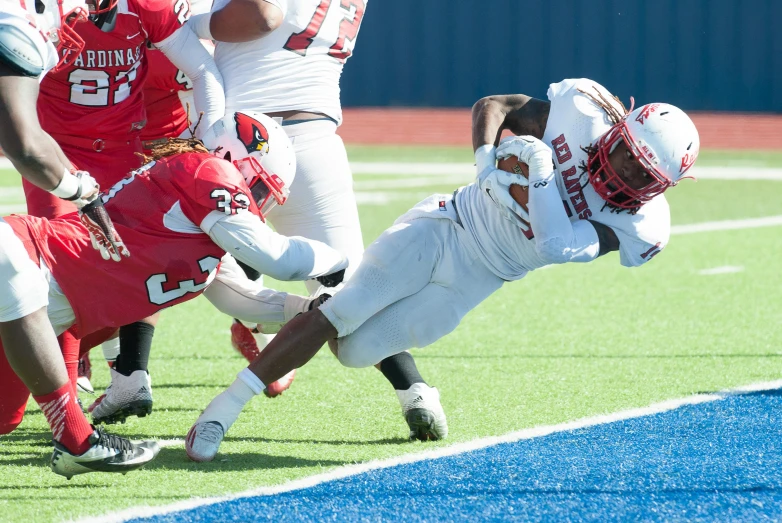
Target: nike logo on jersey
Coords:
[(131, 37)]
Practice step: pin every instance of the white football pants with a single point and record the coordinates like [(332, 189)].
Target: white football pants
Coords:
[(23, 288), (414, 285), (321, 205)]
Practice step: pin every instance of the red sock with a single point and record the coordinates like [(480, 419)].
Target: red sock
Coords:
[(69, 346), (65, 417)]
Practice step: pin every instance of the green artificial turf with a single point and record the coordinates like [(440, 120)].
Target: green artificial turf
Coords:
[(563, 343)]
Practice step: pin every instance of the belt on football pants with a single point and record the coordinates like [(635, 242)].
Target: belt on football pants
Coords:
[(94, 144)]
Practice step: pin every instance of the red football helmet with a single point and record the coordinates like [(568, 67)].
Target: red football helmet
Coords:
[(62, 17), (661, 137), (262, 152)]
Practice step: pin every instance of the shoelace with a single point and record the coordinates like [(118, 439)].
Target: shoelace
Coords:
[(113, 442), (211, 431)]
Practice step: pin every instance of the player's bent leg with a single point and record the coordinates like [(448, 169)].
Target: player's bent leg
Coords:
[(13, 398)]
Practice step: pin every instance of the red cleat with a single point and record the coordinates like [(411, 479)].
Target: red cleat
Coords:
[(280, 386), (243, 341)]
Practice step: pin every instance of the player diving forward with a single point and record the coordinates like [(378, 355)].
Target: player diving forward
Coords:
[(181, 214), (450, 252)]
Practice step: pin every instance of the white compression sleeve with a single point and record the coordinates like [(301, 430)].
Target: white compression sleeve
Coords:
[(186, 51), (557, 240), (248, 239)]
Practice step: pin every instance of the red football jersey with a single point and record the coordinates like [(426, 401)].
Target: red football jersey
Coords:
[(99, 95), (157, 210), (166, 117)]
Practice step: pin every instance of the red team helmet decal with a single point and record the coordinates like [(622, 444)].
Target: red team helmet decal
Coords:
[(252, 133), (646, 113), (687, 161)]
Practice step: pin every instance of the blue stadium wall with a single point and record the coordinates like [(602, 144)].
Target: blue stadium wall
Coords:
[(713, 55)]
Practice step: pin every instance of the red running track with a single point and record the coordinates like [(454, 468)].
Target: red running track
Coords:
[(452, 127)]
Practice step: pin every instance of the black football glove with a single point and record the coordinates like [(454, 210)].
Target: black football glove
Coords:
[(103, 236), (333, 279), (317, 302)]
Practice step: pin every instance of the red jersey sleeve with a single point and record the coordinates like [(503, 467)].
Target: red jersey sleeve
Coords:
[(161, 18), (217, 186)]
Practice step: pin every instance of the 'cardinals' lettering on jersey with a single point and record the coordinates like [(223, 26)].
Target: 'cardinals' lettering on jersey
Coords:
[(22, 15), (101, 91), (158, 211), (574, 122), (296, 67)]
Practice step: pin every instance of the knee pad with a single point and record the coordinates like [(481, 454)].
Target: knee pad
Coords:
[(356, 354), (19, 51)]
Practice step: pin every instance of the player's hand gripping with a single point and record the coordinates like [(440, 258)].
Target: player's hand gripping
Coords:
[(495, 183), (96, 220), (536, 154), (333, 279)]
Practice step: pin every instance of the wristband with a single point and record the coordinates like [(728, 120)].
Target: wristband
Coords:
[(200, 25), (485, 156), (69, 187)]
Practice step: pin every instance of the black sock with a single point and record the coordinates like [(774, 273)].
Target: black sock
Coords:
[(249, 271), (135, 344), (401, 371)]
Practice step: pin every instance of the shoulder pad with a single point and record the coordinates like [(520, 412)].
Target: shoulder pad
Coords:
[(19, 51)]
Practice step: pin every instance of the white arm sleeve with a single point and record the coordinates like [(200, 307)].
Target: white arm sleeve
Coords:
[(248, 239), (557, 240), (239, 297), (187, 53)]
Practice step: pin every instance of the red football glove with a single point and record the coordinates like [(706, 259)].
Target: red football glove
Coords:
[(102, 233)]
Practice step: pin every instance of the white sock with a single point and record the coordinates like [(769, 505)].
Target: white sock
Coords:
[(110, 349), (227, 406)]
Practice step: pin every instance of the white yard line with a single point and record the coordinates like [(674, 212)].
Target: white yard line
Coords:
[(727, 225), (725, 269), (458, 448)]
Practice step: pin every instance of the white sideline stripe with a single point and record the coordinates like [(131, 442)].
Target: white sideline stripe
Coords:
[(459, 448), (163, 443), (726, 269), (727, 225), (468, 169)]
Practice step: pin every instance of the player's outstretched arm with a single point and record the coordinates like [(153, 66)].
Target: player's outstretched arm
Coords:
[(239, 21), (185, 51), (32, 151), (249, 240)]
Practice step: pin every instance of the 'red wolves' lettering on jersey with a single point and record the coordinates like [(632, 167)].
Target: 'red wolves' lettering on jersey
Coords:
[(157, 210), (101, 91)]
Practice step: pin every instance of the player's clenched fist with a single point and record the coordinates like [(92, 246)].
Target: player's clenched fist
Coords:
[(531, 151)]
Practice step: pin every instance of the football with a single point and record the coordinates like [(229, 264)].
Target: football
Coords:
[(512, 164)]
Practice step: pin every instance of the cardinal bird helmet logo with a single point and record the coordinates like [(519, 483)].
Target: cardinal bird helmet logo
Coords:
[(252, 133)]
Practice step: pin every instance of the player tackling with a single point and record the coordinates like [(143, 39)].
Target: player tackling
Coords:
[(596, 178)]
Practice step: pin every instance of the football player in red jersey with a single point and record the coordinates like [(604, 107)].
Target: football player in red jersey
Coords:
[(31, 360), (181, 213), (93, 106)]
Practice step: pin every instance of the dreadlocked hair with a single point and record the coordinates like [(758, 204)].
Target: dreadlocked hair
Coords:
[(592, 162), (170, 146)]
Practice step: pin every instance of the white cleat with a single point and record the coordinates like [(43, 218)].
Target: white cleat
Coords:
[(107, 453), (423, 412), (203, 440), (126, 396)]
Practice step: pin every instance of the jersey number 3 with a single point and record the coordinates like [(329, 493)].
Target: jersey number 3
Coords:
[(348, 29), (160, 296)]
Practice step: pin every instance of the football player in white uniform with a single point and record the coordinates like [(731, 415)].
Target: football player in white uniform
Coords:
[(284, 58), (36, 37), (450, 252)]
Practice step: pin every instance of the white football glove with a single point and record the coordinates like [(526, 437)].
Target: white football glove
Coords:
[(484, 157), (495, 183), (536, 154)]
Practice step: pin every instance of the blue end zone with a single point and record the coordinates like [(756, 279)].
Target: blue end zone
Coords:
[(714, 461)]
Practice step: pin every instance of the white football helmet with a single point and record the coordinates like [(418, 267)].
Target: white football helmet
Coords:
[(661, 137), (260, 149)]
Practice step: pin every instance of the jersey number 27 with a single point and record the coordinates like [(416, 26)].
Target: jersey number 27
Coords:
[(348, 30)]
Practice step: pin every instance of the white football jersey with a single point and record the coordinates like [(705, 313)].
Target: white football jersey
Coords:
[(36, 26), (574, 123), (298, 65)]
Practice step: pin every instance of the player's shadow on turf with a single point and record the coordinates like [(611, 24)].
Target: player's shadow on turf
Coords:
[(382, 441), (175, 457)]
